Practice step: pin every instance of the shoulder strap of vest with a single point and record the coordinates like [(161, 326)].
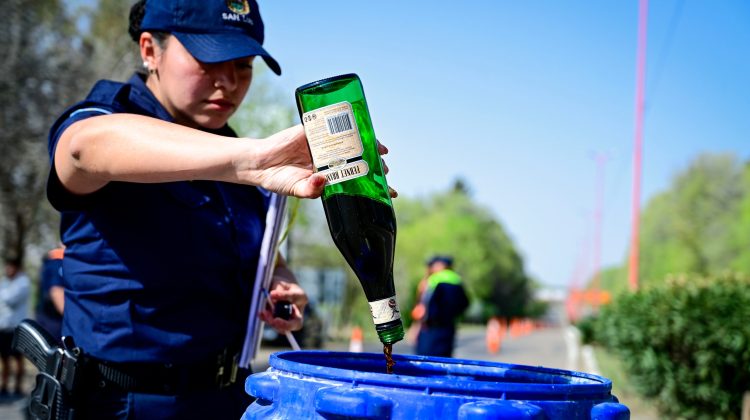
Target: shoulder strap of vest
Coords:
[(108, 92)]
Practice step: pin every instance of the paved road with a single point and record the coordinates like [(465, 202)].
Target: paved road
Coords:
[(543, 347)]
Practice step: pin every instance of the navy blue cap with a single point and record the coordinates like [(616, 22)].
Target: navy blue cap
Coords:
[(211, 30), (440, 258)]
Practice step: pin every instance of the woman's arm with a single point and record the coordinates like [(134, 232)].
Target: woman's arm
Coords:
[(57, 295), (135, 148)]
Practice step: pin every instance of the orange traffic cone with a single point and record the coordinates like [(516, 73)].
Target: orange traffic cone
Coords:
[(356, 343), (494, 335), (514, 332)]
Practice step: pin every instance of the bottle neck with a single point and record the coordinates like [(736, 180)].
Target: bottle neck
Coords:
[(391, 335)]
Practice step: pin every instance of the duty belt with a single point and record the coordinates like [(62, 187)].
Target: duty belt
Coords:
[(165, 378)]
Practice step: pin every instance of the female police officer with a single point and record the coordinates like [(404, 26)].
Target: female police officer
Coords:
[(162, 217)]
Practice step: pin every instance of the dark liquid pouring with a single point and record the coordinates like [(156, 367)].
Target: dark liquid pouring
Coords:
[(389, 363)]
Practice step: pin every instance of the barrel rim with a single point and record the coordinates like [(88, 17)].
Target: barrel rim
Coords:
[(293, 362)]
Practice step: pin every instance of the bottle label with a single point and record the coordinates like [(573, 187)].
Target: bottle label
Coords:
[(385, 310), (335, 143)]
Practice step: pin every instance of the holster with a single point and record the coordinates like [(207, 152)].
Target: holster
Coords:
[(48, 401), (60, 364)]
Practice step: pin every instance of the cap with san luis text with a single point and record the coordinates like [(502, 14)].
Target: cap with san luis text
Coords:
[(211, 30)]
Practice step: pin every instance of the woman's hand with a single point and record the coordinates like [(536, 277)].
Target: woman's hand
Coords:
[(384, 151), (292, 292), (281, 163)]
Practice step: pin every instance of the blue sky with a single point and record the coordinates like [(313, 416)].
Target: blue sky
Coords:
[(517, 97)]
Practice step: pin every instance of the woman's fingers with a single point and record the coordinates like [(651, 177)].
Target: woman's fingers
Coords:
[(381, 148), (384, 151), (282, 325), (292, 292), (311, 187)]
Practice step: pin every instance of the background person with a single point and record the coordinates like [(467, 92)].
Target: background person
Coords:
[(51, 295), (15, 290), (442, 301)]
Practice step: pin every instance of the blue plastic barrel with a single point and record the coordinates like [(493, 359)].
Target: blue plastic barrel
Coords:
[(340, 385)]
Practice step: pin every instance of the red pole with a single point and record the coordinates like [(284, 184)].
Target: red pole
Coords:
[(638, 150), (601, 159)]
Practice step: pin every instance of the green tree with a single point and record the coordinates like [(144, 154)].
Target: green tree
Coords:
[(50, 61), (452, 223), (42, 67), (447, 222), (614, 279), (692, 227), (114, 54), (739, 237), (266, 109)]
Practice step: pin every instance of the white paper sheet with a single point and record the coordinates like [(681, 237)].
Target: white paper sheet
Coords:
[(266, 263)]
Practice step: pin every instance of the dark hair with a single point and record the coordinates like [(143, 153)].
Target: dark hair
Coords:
[(14, 261), (445, 259), (134, 27)]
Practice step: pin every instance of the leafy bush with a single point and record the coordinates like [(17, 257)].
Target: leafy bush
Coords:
[(685, 343), (586, 326)]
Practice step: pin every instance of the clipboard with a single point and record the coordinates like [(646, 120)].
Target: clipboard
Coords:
[(266, 263)]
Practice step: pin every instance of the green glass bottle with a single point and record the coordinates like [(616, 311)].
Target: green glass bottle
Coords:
[(356, 198)]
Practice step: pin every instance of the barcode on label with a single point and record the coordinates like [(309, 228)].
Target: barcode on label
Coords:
[(339, 123)]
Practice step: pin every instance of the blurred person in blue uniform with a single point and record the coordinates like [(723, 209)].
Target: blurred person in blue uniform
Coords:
[(15, 293), (441, 301), (163, 211), (50, 294)]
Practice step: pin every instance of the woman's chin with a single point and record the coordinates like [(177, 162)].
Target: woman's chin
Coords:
[(212, 122)]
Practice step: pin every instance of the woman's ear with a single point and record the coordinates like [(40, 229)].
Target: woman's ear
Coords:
[(149, 51)]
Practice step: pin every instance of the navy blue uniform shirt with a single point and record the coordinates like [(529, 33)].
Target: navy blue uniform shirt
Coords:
[(155, 272)]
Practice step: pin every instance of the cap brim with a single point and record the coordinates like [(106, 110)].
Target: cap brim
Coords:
[(215, 48)]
